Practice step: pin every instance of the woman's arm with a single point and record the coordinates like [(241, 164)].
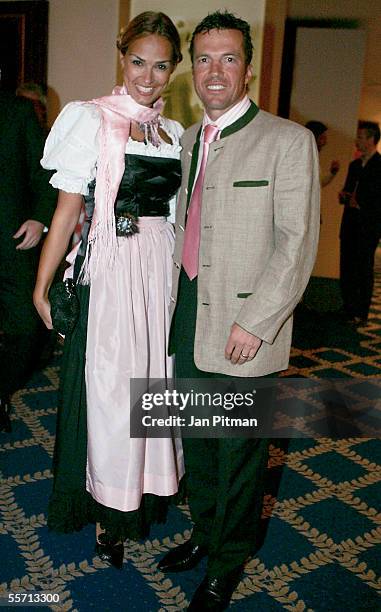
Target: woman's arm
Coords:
[(61, 229)]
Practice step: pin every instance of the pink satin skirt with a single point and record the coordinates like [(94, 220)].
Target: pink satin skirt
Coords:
[(127, 338)]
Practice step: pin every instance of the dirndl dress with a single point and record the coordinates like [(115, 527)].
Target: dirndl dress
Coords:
[(101, 474)]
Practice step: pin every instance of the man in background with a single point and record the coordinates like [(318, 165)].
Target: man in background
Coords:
[(360, 230), (319, 131), (34, 92), (27, 202)]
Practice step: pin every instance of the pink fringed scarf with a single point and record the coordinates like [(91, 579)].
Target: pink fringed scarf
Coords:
[(117, 112)]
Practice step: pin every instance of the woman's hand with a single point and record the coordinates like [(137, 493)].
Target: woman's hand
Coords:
[(42, 305), (55, 246)]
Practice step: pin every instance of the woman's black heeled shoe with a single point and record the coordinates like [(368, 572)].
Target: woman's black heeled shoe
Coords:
[(110, 553)]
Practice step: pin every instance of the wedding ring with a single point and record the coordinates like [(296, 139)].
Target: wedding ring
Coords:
[(244, 356)]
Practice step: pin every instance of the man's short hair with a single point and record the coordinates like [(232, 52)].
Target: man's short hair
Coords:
[(31, 88), (317, 128), (372, 129), (225, 21)]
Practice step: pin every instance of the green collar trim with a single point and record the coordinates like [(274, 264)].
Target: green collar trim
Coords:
[(250, 114)]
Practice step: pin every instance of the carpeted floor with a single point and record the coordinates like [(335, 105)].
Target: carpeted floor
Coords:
[(321, 518)]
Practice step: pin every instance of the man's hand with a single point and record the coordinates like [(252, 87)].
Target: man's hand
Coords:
[(241, 345), (33, 232)]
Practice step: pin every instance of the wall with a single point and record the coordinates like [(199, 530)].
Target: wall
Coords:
[(81, 50), (368, 13)]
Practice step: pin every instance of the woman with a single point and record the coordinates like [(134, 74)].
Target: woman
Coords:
[(122, 157)]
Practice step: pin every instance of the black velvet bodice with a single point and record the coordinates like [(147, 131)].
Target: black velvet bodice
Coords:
[(147, 185)]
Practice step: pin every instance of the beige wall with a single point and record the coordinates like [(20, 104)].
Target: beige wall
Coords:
[(81, 50), (368, 12)]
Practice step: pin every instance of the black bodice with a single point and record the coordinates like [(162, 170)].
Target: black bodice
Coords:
[(147, 185)]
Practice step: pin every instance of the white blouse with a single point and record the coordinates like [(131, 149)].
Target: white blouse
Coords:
[(72, 147)]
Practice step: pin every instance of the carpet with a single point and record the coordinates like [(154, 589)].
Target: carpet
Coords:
[(321, 536)]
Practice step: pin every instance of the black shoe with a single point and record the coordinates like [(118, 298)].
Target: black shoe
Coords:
[(5, 421), (214, 593), (184, 557), (110, 553)]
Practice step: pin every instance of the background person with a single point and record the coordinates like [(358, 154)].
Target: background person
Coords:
[(122, 156), (35, 93), (319, 131), (27, 202), (247, 252), (360, 229)]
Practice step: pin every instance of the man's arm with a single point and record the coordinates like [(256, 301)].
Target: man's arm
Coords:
[(43, 195)]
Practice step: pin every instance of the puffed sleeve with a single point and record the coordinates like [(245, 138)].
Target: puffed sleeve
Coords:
[(72, 147)]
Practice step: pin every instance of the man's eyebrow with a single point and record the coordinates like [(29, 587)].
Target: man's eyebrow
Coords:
[(235, 53)]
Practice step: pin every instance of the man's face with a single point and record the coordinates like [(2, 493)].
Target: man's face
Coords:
[(220, 73), (364, 144)]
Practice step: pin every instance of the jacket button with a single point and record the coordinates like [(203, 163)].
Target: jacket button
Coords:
[(177, 264), (172, 299)]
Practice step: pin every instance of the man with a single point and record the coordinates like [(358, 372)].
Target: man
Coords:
[(257, 242), (361, 224), (319, 131), (27, 202)]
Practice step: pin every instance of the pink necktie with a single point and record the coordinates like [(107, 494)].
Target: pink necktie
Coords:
[(192, 229)]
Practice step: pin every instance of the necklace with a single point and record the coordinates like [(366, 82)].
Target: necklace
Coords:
[(150, 129)]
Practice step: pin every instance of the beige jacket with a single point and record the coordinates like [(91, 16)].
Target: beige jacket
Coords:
[(259, 237)]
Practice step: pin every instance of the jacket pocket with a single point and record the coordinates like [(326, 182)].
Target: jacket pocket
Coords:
[(262, 183), (243, 295)]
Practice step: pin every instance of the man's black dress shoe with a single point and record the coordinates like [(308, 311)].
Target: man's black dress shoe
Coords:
[(5, 421), (214, 592), (184, 557)]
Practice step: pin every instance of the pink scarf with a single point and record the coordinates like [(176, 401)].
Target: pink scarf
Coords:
[(117, 112)]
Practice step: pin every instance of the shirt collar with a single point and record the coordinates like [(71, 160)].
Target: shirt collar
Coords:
[(231, 115)]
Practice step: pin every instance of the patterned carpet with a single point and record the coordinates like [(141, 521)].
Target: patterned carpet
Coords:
[(321, 518)]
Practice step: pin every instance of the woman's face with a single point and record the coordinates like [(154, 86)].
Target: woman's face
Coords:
[(147, 66)]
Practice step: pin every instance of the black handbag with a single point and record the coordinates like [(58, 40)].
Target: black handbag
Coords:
[(64, 306)]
